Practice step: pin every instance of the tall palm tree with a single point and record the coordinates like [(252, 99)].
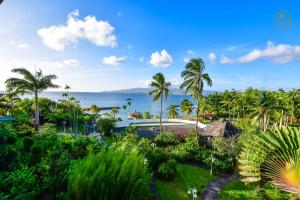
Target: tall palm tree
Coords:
[(194, 78), (31, 84), (114, 111), (186, 107), (264, 109), (160, 91), (173, 111)]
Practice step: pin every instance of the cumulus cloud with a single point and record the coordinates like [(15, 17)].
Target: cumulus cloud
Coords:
[(101, 33), (186, 59), (212, 57), (113, 60), (161, 59), (279, 54)]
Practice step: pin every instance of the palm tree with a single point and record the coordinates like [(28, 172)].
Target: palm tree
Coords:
[(186, 107), (264, 109), (147, 115), (161, 90), (114, 111), (31, 84), (8, 101), (173, 111), (194, 78), (94, 109)]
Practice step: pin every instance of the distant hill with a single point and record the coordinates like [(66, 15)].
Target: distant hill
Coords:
[(175, 91)]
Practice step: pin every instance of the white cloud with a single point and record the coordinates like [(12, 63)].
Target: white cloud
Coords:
[(113, 60), (162, 59), (145, 83), (141, 59), (100, 32), (280, 53), (212, 57), (57, 64), (189, 51), (24, 45), (12, 42), (175, 81), (71, 62), (186, 59)]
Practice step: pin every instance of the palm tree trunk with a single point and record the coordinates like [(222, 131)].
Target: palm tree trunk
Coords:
[(161, 102), (36, 113), (197, 116)]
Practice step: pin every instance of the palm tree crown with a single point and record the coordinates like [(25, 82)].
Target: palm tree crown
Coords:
[(31, 84)]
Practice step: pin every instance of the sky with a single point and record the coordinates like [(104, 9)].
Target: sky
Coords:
[(119, 44)]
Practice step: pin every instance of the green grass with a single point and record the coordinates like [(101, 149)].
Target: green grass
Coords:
[(187, 176), (236, 190)]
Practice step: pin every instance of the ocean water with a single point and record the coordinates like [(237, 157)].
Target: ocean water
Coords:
[(140, 102)]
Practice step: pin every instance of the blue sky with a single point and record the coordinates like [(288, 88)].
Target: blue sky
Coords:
[(108, 45)]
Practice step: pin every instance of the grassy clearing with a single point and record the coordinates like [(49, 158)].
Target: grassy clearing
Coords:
[(236, 190), (187, 176)]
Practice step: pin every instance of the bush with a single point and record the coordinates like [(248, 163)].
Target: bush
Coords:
[(166, 138), (111, 174), (48, 129), (11, 139), (107, 125), (167, 170), (24, 130), (27, 143)]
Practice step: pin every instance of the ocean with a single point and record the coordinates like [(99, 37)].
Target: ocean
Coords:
[(140, 102)]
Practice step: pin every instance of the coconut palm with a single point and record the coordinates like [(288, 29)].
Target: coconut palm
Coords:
[(94, 109), (186, 107), (114, 111), (31, 84), (160, 91), (274, 157), (194, 78), (8, 101), (172, 111), (264, 109)]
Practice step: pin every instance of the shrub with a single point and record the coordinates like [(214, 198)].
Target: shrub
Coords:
[(48, 129), (107, 125), (11, 139), (132, 129), (111, 174), (24, 130), (27, 143), (166, 138), (23, 184), (167, 170)]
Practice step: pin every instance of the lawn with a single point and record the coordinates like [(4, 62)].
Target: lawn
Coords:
[(236, 190), (187, 176)]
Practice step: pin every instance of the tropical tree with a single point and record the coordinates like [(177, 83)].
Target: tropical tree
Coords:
[(8, 101), (31, 84), (94, 109), (194, 77), (114, 111), (172, 111), (147, 115), (265, 108), (186, 107), (160, 91), (274, 157)]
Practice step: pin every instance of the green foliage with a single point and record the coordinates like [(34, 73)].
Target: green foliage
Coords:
[(107, 125), (166, 138), (147, 115), (27, 143), (132, 129), (167, 170), (111, 174), (48, 129)]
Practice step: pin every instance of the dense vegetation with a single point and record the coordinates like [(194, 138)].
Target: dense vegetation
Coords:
[(47, 153)]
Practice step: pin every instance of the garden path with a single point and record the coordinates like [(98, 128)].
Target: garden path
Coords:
[(214, 188)]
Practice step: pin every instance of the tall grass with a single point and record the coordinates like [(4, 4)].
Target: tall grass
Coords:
[(111, 174)]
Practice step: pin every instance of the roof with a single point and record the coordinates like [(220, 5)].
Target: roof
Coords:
[(6, 118)]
